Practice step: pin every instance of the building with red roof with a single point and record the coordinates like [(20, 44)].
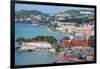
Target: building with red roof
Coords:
[(75, 43)]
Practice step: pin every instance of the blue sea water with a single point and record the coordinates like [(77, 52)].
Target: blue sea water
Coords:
[(31, 58), (29, 31)]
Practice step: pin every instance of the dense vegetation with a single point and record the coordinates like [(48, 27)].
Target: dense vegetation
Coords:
[(49, 39), (28, 13), (65, 38), (91, 40)]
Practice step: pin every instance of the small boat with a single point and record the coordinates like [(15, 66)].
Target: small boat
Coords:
[(34, 24)]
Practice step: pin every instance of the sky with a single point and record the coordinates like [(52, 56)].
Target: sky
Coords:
[(47, 9)]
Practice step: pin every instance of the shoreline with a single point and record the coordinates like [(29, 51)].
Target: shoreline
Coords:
[(50, 30), (57, 32), (53, 32)]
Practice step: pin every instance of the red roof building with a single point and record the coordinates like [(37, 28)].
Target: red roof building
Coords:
[(75, 43)]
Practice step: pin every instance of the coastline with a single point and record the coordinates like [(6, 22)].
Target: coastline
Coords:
[(56, 32), (50, 30), (66, 35)]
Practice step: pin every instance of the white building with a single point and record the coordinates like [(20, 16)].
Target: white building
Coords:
[(60, 29), (66, 27), (33, 45), (63, 24), (62, 15), (27, 19), (86, 12), (25, 47)]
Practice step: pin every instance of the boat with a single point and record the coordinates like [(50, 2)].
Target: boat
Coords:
[(34, 24)]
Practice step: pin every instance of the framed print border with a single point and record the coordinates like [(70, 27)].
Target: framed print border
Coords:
[(12, 63)]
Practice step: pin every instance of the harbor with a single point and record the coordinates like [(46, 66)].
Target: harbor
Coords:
[(73, 50), (62, 36)]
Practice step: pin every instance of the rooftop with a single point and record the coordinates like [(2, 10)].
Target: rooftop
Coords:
[(75, 43)]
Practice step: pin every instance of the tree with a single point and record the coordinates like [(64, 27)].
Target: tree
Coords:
[(49, 39), (28, 40), (91, 40), (20, 39), (65, 38), (57, 49)]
